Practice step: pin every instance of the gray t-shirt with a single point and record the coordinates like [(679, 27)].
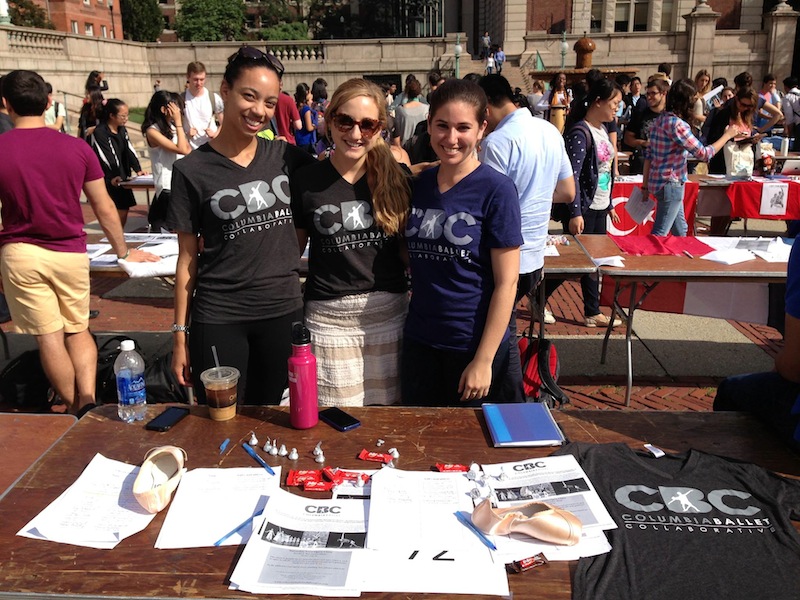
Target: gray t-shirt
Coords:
[(249, 265)]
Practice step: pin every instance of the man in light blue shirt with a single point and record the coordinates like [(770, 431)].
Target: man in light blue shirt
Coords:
[(531, 152)]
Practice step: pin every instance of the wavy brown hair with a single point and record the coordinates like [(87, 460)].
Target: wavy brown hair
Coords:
[(391, 192)]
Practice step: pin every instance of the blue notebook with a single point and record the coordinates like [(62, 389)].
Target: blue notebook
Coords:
[(523, 424)]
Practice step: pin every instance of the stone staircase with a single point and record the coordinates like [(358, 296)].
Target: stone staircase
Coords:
[(511, 71)]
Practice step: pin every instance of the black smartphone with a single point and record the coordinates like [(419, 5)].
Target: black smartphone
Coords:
[(338, 419), (167, 419)]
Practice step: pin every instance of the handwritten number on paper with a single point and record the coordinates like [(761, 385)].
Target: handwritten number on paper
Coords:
[(440, 556)]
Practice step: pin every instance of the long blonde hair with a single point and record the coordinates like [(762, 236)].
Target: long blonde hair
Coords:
[(391, 192)]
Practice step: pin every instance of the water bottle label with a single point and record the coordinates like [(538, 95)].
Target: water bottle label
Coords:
[(131, 389)]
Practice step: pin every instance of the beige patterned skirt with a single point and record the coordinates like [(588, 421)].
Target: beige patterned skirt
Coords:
[(357, 341)]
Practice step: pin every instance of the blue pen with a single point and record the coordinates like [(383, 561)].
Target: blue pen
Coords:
[(237, 528), (258, 459), (468, 522)]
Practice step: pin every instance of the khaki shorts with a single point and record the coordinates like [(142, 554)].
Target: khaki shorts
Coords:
[(46, 290)]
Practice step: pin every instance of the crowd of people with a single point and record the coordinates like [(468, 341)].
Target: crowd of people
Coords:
[(451, 192)]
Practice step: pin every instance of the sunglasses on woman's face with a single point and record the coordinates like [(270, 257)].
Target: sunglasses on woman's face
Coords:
[(250, 53), (345, 123), (746, 105)]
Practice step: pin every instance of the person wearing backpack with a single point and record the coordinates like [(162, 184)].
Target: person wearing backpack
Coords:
[(55, 117), (203, 108), (592, 156)]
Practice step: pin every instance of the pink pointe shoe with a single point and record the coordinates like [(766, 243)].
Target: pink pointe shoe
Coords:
[(158, 477), (535, 519)]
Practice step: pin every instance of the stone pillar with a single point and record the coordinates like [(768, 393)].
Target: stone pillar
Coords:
[(700, 30), (609, 16), (780, 24), (581, 17), (514, 27)]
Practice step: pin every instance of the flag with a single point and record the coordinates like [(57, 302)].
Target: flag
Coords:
[(539, 62)]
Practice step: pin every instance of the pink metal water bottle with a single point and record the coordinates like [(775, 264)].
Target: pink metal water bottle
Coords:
[(303, 411)]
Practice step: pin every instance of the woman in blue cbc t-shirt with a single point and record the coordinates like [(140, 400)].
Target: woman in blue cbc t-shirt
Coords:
[(463, 239)]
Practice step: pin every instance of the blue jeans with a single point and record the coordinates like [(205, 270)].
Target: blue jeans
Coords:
[(669, 211), (769, 397)]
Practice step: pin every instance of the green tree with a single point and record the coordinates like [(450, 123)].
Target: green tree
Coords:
[(24, 13), (142, 20), (211, 20), (285, 31)]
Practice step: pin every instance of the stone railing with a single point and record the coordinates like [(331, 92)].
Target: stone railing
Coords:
[(35, 41)]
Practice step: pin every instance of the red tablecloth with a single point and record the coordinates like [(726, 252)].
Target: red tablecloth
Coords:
[(627, 226), (745, 198)]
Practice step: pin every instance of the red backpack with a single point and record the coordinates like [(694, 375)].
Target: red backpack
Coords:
[(540, 369)]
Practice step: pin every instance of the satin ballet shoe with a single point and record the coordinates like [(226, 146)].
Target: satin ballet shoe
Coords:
[(158, 477), (535, 519)]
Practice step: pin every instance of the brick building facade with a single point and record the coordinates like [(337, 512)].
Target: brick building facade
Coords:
[(92, 18)]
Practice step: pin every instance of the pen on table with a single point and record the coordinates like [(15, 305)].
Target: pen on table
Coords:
[(258, 459), (237, 528), (687, 253), (466, 521)]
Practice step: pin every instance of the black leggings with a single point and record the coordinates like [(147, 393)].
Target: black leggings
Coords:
[(259, 349)]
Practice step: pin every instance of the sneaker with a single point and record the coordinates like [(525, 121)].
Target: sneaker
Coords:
[(548, 317), (600, 321)]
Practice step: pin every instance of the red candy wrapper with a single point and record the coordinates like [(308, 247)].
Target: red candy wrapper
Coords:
[(375, 456), (299, 477), (451, 468), (318, 486), (333, 475)]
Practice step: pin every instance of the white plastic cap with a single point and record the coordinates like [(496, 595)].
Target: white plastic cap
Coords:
[(127, 345)]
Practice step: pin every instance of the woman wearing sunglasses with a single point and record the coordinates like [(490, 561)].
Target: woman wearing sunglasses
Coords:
[(463, 239), (353, 207), (237, 277)]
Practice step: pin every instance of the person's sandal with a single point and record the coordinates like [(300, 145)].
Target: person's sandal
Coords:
[(600, 321)]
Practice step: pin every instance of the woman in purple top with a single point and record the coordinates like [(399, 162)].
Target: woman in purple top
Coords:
[(671, 138)]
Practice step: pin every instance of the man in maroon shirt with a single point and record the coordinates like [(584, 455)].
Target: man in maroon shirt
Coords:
[(287, 117), (43, 258)]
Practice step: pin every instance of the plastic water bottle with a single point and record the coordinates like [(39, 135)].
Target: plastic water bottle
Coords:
[(131, 392), (303, 409)]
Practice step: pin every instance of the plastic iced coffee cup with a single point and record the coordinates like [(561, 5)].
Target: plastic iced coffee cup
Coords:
[(220, 384)]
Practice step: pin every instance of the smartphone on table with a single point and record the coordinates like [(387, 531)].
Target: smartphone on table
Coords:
[(167, 419), (338, 419)]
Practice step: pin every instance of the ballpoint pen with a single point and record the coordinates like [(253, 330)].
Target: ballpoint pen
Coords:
[(466, 521), (258, 459), (237, 528)]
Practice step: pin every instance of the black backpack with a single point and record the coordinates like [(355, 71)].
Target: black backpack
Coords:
[(23, 384)]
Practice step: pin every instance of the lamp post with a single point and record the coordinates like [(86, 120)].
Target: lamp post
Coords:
[(111, 10), (457, 49), (564, 48)]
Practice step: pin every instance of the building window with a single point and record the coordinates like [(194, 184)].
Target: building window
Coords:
[(74, 26), (596, 19), (88, 29), (250, 20), (667, 14), (104, 31), (167, 24), (631, 15)]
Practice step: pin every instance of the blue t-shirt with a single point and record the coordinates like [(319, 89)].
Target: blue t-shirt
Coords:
[(449, 237), (303, 137)]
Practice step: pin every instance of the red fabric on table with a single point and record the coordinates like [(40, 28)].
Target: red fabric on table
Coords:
[(627, 226), (745, 199), (653, 245)]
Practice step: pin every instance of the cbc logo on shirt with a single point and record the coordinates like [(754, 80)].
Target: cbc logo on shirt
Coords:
[(258, 196), (355, 215), (431, 224)]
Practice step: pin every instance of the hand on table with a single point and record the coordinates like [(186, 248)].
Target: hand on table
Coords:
[(141, 256)]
